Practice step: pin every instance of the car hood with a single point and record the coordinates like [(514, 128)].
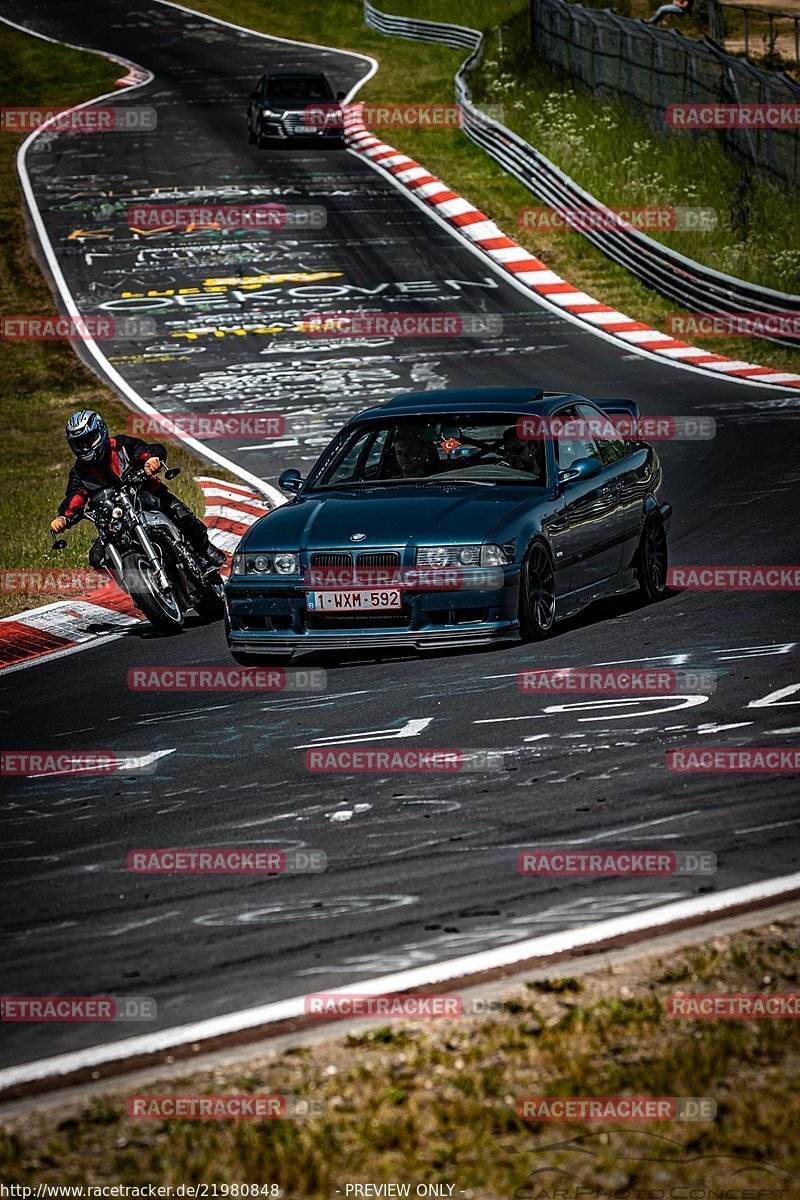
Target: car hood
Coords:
[(389, 517)]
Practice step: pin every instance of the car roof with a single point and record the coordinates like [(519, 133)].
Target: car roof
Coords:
[(296, 75), (477, 400)]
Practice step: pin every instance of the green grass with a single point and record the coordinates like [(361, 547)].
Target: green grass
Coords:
[(437, 1101), (43, 382), (609, 151)]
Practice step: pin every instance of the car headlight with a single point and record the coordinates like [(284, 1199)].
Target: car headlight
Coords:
[(286, 564), (277, 562), (462, 556), (274, 116), (448, 556), (496, 556)]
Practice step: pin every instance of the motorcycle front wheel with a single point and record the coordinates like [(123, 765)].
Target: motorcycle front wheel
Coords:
[(160, 607)]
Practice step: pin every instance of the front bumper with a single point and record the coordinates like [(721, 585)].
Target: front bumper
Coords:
[(269, 617), (283, 130)]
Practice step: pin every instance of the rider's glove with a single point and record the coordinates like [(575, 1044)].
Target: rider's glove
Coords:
[(59, 524), (152, 466)]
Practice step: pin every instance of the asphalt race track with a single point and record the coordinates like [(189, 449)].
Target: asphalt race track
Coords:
[(420, 868)]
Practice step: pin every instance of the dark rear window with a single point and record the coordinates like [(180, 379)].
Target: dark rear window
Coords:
[(288, 88)]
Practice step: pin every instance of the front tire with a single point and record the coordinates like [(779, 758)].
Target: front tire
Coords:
[(652, 559), (161, 608), (210, 605), (537, 594)]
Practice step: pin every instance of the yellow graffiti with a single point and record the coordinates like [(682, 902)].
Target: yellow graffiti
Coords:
[(310, 327), (246, 283), (89, 233)]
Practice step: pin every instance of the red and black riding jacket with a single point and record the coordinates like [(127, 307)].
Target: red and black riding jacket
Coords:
[(87, 478)]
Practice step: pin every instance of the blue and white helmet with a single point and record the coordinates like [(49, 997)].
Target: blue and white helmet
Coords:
[(87, 434)]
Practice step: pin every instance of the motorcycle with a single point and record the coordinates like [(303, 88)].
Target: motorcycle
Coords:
[(149, 557)]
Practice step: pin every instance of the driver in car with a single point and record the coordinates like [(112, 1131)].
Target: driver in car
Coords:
[(415, 457), (521, 453), (100, 460)]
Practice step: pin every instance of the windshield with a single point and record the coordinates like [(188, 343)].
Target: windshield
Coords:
[(462, 448), (293, 89)]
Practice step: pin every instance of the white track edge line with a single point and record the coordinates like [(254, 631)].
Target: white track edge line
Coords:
[(438, 972)]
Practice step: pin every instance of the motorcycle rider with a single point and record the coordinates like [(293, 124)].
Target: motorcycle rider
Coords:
[(100, 460)]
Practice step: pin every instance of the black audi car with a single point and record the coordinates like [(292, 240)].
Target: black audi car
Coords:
[(295, 104)]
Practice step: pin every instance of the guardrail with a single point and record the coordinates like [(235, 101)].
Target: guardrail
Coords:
[(773, 18), (692, 285)]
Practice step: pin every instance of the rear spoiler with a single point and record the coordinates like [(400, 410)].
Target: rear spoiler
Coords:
[(619, 406), (628, 409)]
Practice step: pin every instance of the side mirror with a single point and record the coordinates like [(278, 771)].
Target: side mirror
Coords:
[(341, 95), (582, 468), (291, 481)]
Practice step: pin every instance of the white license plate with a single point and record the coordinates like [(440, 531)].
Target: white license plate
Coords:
[(355, 601)]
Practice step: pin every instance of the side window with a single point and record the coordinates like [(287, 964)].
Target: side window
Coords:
[(345, 470), (568, 426), (610, 449), (372, 462)]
